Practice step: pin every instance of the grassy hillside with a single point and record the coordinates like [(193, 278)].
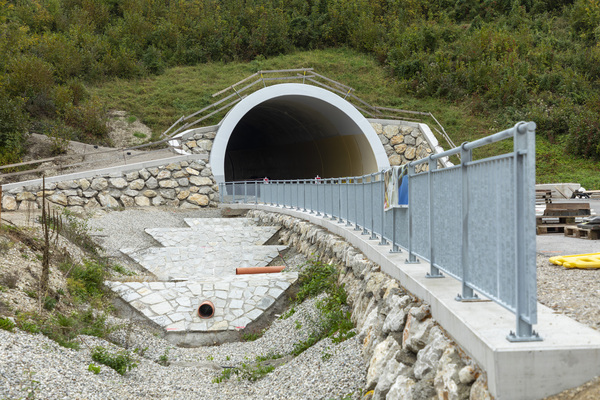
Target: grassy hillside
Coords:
[(476, 64), (160, 100)]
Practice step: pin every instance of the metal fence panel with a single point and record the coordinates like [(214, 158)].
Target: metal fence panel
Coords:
[(419, 208), (491, 245), (447, 219)]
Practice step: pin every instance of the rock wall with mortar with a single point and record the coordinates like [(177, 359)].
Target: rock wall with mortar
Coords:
[(181, 184), (407, 354), (402, 142)]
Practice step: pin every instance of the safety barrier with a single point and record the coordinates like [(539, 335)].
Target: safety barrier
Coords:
[(474, 221)]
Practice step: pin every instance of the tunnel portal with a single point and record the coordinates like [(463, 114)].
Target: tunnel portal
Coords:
[(294, 131)]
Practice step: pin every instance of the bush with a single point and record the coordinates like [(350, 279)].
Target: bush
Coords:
[(6, 324)]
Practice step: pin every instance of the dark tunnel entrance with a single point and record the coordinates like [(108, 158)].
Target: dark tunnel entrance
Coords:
[(295, 137)]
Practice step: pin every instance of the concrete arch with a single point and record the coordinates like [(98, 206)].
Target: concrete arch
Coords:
[(295, 131)]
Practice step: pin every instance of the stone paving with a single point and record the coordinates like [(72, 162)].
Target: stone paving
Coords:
[(197, 264), (213, 236), (238, 300)]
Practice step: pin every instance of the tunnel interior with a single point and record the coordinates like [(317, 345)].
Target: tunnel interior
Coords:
[(297, 137)]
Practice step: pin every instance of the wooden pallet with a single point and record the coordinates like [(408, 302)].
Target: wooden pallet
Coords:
[(550, 228), (576, 232)]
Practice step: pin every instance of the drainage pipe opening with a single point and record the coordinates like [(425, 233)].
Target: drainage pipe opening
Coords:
[(206, 309)]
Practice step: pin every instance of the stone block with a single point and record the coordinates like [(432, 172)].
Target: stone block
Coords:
[(84, 184), (26, 196), (68, 185), (132, 176), (90, 193), (173, 167), (402, 389), (192, 171), (152, 183), (390, 131), (206, 172), (158, 201), (142, 201), (106, 200), (179, 174), (130, 193), (383, 353), (168, 183), (183, 181), (395, 159), (410, 140), (92, 203), (137, 184), (164, 174), (377, 127), (167, 193), (410, 153), (58, 198), (76, 201), (183, 194), (99, 184), (127, 201), (153, 171), (200, 181), (144, 174)]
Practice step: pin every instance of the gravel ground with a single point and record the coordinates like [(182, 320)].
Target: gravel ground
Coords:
[(32, 365)]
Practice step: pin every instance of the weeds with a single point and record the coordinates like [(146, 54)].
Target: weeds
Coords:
[(253, 335), (121, 361), (94, 368), (334, 321), (164, 358), (245, 371), (6, 324)]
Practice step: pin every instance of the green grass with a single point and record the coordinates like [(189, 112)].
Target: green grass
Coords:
[(159, 101)]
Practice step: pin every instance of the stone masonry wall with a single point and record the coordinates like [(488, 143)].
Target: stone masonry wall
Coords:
[(408, 355), (182, 184), (402, 143)]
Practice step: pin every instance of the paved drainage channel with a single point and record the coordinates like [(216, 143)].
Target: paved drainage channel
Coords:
[(198, 299)]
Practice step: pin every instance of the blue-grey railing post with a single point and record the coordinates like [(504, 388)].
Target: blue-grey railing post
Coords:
[(340, 219), (364, 196), (233, 194), (466, 156), (382, 242), (277, 193), (395, 248), (412, 259), (434, 272), (245, 191), (221, 197), (256, 192), (304, 195), (348, 223), (372, 184), (524, 219), (324, 198), (332, 182), (297, 194), (356, 226), (318, 214)]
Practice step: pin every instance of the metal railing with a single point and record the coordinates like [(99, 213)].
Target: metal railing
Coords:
[(308, 76), (474, 222)]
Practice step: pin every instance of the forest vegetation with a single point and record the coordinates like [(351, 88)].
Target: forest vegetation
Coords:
[(497, 61)]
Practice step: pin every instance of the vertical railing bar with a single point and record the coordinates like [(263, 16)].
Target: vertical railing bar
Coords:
[(245, 192), (412, 259), (364, 205), (434, 272), (383, 242), (340, 219), (356, 226), (466, 155), (348, 223), (372, 184)]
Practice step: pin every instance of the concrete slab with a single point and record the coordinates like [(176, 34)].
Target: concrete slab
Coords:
[(568, 356)]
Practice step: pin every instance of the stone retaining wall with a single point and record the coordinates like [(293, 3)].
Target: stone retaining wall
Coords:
[(184, 184), (408, 355)]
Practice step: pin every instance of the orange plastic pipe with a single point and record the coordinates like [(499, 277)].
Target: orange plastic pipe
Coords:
[(258, 270)]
